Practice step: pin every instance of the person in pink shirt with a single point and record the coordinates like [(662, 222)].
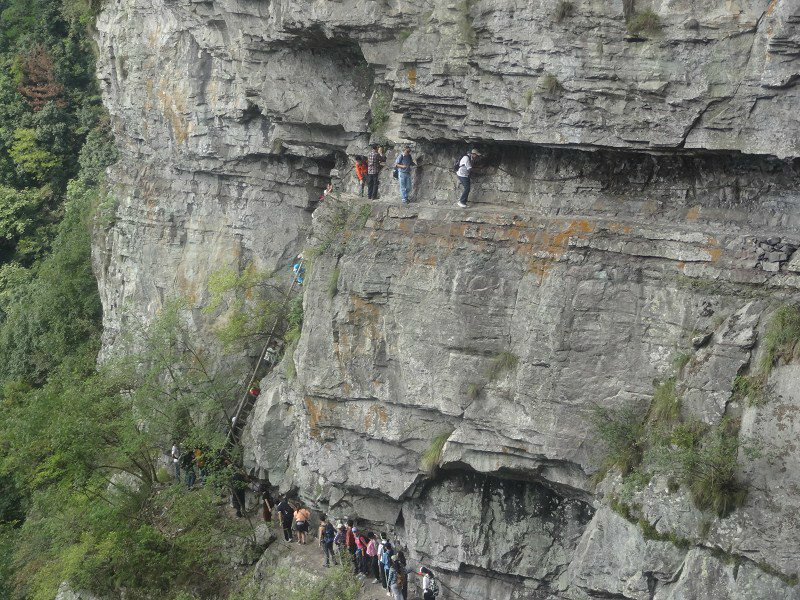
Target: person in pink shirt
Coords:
[(361, 551), (372, 557)]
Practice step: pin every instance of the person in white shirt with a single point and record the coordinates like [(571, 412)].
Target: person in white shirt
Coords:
[(429, 588), (464, 171), (175, 453)]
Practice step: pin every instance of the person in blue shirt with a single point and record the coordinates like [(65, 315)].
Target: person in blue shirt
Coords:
[(403, 164)]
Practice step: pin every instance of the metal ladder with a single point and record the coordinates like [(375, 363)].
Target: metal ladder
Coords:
[(248, 401)]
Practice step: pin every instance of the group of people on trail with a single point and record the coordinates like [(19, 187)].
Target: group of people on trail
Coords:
[(368, 170), (193, 463), (197, 463), (370, 555)]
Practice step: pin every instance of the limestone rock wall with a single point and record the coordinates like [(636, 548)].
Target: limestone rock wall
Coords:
[(638, 200)]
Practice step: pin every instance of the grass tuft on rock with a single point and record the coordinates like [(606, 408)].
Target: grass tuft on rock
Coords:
[(333, 283), (681, 360), (549, 86), (750, 389), (432, 457), (644, 22), (621, 432), (564, 9), (665, 407), (709, 470), (473, 391), (781, 337), (505, 361)]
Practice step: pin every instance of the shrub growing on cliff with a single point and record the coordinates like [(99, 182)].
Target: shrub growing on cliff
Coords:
[(708, 469), (621, 433), (379, 110), (644, 22), (250, 303)]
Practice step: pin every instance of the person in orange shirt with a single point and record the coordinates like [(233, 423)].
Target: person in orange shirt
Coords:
[(361, 172)]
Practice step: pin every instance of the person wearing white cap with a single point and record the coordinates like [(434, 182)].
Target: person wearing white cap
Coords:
[(464, 171)]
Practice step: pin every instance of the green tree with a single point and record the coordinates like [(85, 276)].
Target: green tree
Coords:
[(30, 158)]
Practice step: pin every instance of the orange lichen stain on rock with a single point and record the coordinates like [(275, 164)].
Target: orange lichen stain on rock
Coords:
[(458, 229), (428, 261), (714, 254), (693, 213), (714, 251), (376, 415), (362, 310), (578, 228), (405, 225), (539, 267), (411, 73), (771, 7), (314, 415), (172, 105), (620, 228)]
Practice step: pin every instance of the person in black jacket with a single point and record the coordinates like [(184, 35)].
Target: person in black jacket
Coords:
[(286, 512), (187, 464)]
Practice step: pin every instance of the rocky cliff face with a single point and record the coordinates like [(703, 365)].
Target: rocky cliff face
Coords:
[(635, 219)]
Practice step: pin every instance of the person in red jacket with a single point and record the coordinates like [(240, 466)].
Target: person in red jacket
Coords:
[(350, 543)]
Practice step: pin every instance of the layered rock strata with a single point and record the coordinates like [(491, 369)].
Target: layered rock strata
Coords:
[(637, 201)]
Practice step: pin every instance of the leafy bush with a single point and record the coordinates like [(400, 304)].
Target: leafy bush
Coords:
[(251, 303), (527, 97)]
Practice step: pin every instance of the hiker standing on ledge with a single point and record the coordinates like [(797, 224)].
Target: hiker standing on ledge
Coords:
[(403, 165), (464, 171), (373, 168), (361, 173)]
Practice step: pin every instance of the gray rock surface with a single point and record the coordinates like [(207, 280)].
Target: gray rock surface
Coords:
[(637, 201)]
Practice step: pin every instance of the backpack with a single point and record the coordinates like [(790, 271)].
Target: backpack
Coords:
[(457, 164), (434, 587), (328, 534), (339, 538)]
